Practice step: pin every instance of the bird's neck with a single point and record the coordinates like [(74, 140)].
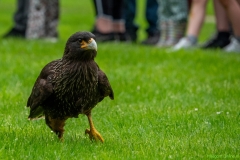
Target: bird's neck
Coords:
[(79, 67), (88, 55)]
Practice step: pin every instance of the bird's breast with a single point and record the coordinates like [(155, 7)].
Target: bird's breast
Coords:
[(76, 88)]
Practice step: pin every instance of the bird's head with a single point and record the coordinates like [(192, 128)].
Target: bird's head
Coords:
[(81, 46)]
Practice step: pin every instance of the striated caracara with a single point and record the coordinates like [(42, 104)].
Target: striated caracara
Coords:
[(70, 86)]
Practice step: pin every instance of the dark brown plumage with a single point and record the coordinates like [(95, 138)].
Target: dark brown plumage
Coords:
[(70, 86)]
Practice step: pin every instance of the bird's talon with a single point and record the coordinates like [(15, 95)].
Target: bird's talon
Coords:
[(94, 135)]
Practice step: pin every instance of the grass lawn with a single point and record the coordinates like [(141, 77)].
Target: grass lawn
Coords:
[(181, 105)]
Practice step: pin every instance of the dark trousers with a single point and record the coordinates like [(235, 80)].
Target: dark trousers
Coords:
[(21, 15), (111, 8), (151, 13)]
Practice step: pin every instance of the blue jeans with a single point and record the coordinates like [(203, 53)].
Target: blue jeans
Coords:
[(21, 15), (151, 14)]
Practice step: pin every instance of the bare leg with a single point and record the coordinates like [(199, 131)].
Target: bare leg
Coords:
[(196, 17), (222, 37), (221, 17), (233, 11), (118, 26), (104, 24), (93, 133)]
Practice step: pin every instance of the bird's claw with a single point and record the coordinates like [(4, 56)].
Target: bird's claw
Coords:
[(94, 135)]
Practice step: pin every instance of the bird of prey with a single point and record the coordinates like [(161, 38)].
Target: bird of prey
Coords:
[(70, 86)]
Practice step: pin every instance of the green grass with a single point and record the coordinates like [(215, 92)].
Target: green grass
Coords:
[(182, 105)]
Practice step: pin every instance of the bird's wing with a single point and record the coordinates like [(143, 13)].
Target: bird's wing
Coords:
[(42, 89), (104, 85)]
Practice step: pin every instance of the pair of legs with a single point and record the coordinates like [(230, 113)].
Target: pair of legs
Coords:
[(152, 18), (225, 13), (232, 8), (197, 15), (109, 22), (129, 11), (35, 19), (57, 126), (222, 38)]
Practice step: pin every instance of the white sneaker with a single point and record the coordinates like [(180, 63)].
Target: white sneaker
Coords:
[(233, 46), (183, 43)]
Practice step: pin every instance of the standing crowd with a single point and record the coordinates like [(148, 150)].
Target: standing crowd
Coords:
[(171, 23)]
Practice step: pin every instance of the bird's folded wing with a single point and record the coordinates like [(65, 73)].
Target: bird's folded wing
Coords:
[(43, 86), (104, 85)]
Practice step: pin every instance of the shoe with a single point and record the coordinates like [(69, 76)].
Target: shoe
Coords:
[(217, 41), (152, 39), (15, 33), (131, 35), (234, 46), (103, 37), (122, 37), (183, 43)]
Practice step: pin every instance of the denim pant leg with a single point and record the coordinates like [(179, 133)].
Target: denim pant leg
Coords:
[(21, 15), (152, 16), (129, 13)]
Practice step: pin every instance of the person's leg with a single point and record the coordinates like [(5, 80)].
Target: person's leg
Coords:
[(152, 19), (109, 23), (152, 16), (221, 17), (222, 37), (118, 21), (196, 18), (20, 20), (103, 22), (233, 11), (21, 15), (103, 27), (129, 13), (177, 21)]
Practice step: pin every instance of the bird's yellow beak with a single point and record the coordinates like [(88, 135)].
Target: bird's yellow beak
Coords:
[(91, 44)]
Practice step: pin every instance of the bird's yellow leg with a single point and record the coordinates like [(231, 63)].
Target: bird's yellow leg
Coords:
[(92, 132)]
